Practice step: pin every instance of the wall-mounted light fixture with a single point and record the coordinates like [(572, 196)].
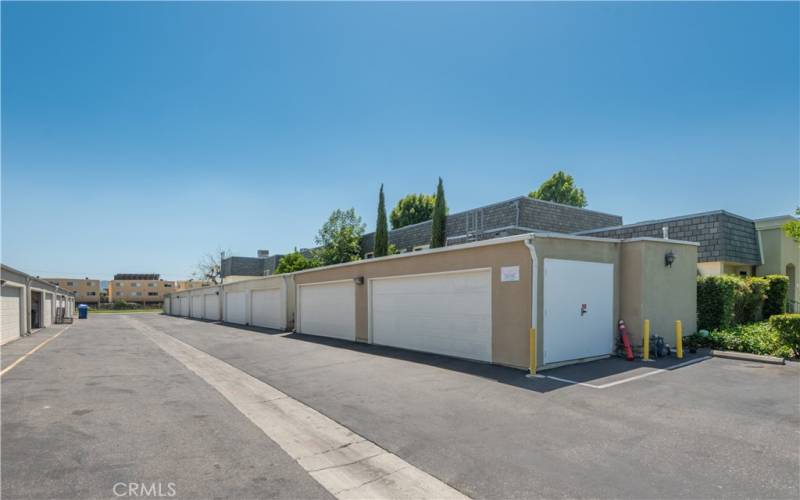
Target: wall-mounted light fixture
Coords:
[(217, 292), (358, 280), (669, 258)]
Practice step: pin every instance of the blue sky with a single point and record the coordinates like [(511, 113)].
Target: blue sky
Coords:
[(138, 137)]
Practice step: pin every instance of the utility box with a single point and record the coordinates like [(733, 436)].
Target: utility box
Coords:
[(83, 311)]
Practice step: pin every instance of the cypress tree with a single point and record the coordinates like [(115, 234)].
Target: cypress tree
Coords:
[(381, 229), (439, 229)]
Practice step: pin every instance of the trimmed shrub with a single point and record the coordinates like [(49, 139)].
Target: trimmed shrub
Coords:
[(788, 328), (778, 289), (753, 302), (755, 338), (716, 301)]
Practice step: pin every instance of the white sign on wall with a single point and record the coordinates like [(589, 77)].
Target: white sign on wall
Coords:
[(509, 273)]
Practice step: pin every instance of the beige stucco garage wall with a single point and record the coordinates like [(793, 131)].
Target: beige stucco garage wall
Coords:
[(284, 282), (572, 248), (651, 290), (511, 301)]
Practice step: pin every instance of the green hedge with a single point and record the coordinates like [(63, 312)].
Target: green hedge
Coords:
[(788, 328), (753, 299), (716, 301), (755, 338), (777, 292)]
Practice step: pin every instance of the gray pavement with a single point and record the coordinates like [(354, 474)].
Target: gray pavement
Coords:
[(101, 404), (714, 429)]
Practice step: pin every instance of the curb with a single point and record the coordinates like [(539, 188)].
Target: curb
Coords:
[(744, 356)]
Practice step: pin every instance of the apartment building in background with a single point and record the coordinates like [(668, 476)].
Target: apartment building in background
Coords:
[(87, 290), (190, 284), (145, 289)]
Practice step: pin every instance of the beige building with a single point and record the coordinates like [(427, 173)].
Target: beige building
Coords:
[(139, 288), (191, 284), (87, 290), (780, 254)]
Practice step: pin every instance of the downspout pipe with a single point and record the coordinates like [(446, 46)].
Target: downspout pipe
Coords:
[(534, 282)]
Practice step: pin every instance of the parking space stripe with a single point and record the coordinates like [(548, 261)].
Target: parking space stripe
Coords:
[(629, 379), (25, 356), (343, 462)]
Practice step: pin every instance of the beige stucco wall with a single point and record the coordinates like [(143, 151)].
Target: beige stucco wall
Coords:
[(651, 290), (511, 301), (780, 253)]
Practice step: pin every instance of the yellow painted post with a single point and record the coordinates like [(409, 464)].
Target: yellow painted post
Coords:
[(533, 351), (646, 340), (679, 339)]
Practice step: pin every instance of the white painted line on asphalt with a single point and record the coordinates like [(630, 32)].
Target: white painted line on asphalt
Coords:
[(344, 463), (629, 379), (25, 356)]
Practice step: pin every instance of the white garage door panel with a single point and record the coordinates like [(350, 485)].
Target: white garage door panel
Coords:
[(328, 310), (266, 307), (9, 309), (166, 305), (448, 314), (197, 306), (185, 306), (212, 307), (48, 310), (568, 334), (235, 307)]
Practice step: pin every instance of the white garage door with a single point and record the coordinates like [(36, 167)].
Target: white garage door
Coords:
[(449, 313), (235, 311), (197, 306), (578, 310), (212, 307), (266, 307), (48, 310), (9, 308), (328, 309), (166, 305), (185, 306)]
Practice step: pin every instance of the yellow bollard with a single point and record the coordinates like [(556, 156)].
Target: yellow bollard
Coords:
[(679, 339), (646, 340), (533, 351)]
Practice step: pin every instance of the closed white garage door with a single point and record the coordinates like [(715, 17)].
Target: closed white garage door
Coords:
[(578, 310), (235, 311), (185, 306), (48, 310), (197, 306), (328, 309), (166, 305), (212, 307), (9, 308), (267, 307), (448, 313)]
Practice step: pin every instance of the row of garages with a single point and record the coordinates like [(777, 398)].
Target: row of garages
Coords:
[(476, 301), (29, 303)]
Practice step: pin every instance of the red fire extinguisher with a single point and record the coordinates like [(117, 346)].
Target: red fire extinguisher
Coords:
[(626, 341)]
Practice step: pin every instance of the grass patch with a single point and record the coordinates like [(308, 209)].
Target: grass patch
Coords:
[(755, 338)]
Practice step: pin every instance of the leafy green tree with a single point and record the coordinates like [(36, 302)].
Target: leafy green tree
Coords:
[(295, 261), (339, 239), (381, 229), (439, 226), (412, 209), (792, 228), (560, 188)]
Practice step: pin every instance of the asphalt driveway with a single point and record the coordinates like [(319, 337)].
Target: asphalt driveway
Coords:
[(711, 429)]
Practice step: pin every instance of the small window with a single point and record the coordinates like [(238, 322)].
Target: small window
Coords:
[(167, 285), (369, 255), (743, 274), (136, 284), (91, 294), (151, 285), (137, 294), (118, 294), (152, 294), (119, 283), (70, 283)]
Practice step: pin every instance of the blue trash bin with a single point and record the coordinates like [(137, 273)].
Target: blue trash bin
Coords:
[(83, 311)]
